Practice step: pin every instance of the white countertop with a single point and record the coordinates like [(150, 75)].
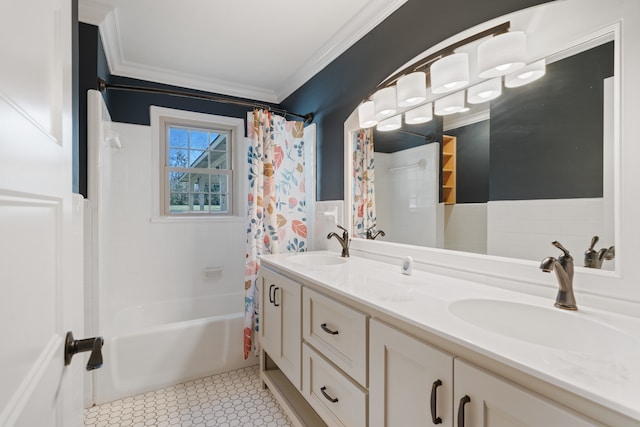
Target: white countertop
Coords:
[(610, 377)]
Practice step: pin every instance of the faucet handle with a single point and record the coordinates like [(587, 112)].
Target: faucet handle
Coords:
[(594, 240), (562, 248), (342, 228)]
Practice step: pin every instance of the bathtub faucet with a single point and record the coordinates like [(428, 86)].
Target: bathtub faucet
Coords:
[(344, 240)]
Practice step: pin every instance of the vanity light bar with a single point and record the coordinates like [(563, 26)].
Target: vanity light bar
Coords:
[(503, 54), (526, 75)]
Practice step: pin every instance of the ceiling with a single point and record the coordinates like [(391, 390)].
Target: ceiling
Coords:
[(261, 50)]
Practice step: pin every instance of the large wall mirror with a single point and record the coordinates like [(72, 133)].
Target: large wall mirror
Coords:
[(505, 177)]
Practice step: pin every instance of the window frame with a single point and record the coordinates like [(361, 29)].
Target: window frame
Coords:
[(161, 119)]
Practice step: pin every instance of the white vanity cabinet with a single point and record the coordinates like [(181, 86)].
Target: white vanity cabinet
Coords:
[(334, 368), (332, 360), (411, 382), (338, 399), (484, 400), (337, 331), (280, 335)]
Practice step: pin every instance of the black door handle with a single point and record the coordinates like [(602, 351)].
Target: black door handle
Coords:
[(434, 403), (94, 345), (274, 296), (466, 399)]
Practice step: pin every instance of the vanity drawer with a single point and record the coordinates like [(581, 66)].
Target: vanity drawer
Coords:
[(334, 396), (338, 332)]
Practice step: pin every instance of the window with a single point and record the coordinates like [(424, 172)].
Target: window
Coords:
[(197, 156)]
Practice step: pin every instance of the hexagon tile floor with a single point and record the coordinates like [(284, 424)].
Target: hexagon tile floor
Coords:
[(233, 398)]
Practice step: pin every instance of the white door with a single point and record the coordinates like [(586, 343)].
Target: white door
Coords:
[(40, 245)]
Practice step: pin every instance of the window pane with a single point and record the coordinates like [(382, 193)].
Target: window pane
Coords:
[(219, 160), (201, 159), (178, 137), (178, 158), (178, 182), (219, 184), (218, 203), (198, 159), (199, 182), (198, 139), (218, 141), (178, 202), (198, 202)]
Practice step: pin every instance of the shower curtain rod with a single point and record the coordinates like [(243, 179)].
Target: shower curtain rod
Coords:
[(103, 86), (429, 138)]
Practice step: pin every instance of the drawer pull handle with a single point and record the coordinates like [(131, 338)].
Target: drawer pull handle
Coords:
[(327, 330), (434, 403), (276, 289), (326, 396), (271, 300), (466, 399)]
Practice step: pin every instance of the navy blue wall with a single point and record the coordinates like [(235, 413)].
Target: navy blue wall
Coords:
[(338, 89), (133, 107), (546, 137)]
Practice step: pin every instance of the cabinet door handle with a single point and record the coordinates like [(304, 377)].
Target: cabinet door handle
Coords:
[(466, 399), (434, 395), (326, 396), (271, 296), (274, 296), (327, 330)]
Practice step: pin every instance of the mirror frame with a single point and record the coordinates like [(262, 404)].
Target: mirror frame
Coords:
[(523, 274)]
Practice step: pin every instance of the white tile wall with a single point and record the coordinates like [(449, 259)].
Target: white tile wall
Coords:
[(407, 195), (328, 215), (525, 229), (466, 227)]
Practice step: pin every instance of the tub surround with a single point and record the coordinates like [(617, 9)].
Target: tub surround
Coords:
[(600, 381)]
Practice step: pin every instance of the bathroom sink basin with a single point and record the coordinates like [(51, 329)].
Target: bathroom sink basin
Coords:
[(316, 260), (549, 327)]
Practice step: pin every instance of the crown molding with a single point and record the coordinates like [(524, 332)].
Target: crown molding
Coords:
[(93, 12), (106, 17), (365, 20)]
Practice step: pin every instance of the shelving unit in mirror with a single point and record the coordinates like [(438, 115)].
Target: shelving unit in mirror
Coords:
[(448, 169)]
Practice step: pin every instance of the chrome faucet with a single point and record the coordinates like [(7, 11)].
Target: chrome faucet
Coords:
[(344, 240), (371, 236), (563, 266), (594, 259)]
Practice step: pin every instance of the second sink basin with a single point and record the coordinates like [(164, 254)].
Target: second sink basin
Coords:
[(549, 327)]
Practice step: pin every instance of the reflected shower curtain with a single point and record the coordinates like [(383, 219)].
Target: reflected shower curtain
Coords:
[(276, 209), (364, 203)]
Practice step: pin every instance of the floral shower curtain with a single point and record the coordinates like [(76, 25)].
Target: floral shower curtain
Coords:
[(276, 210), (364, 203)]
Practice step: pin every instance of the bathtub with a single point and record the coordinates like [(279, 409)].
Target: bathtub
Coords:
[(156, 345)]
